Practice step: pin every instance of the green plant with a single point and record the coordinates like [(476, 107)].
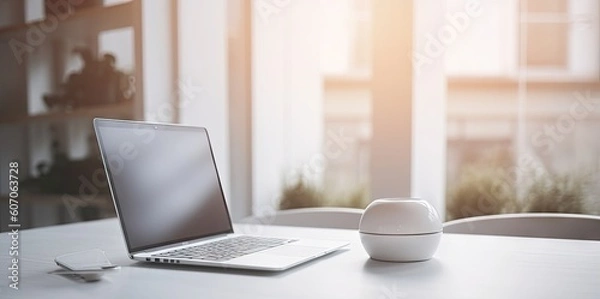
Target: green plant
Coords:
[(487, 189), (557, 193), (301, 194), (481, 190)]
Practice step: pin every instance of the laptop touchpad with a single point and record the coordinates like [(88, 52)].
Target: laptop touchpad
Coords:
[(296, 250)]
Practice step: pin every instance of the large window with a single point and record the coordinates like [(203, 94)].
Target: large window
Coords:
[(333, 104), (523, 119), (545, 29), (311, 106)]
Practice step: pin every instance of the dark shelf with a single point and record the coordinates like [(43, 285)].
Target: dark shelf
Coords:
[(96, 19), (110, 111)]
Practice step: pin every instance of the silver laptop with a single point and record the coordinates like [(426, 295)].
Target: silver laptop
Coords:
[(170, 203)]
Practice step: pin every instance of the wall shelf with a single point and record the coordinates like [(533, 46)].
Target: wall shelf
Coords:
[(108, 111), (57, 207), (79, 23), (141, 34)]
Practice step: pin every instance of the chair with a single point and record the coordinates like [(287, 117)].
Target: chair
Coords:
[(345, 218), (540, 225)]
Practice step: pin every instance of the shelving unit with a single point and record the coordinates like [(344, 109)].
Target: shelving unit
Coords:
[(59, 35), (78, 23), (121, 110), (34, 210), (27, 126)]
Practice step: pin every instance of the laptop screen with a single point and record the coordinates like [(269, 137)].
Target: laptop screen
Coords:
[(164, 182)]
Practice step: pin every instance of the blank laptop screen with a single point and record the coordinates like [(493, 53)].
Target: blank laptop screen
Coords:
[(164, 182)]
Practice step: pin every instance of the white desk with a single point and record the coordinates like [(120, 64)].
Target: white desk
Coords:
[(465, 266)]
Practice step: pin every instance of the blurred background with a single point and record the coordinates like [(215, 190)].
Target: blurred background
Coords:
[(478, 106)]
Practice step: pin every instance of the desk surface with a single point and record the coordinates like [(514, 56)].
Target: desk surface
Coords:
[(465, 266)]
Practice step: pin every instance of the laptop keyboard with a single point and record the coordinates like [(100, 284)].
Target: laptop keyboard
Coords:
[(225, 249)]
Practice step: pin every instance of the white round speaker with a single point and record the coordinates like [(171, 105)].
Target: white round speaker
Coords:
[(400, 230)]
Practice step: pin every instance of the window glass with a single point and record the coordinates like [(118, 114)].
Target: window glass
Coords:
[(524, 140)]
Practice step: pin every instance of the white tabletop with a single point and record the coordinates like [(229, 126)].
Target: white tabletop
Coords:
[(465, 266)]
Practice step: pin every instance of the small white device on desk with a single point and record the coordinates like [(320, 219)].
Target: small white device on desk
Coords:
[(90, 265), (400, 230)]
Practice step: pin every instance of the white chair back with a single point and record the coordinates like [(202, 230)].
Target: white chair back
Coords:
[(345, 218), (541, 225)]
